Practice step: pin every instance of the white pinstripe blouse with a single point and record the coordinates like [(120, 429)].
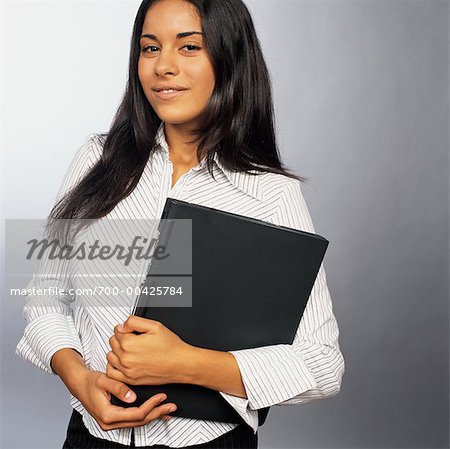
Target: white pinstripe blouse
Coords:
[(311, 368)]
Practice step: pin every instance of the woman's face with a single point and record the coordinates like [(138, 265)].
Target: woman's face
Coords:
[(169, 58)]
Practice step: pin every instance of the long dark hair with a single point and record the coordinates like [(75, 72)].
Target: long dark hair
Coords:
[(238, 122)]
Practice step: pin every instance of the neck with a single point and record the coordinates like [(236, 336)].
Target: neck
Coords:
[(180, 151)]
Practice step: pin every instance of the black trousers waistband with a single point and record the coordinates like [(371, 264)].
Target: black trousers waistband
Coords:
[(78, 437)]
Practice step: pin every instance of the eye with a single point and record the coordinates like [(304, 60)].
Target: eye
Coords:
[(192, 47), (144, 49)]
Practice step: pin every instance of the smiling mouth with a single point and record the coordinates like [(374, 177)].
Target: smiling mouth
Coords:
[(168, 94)]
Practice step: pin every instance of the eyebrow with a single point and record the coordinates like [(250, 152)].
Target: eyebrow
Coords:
[(178, 36)]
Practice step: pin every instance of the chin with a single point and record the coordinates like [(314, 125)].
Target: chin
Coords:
[(176, 118)]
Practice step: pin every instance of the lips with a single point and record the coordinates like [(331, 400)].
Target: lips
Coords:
[(169, 93), (168, 86)]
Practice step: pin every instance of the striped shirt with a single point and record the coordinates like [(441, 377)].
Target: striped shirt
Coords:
[(311, 368)]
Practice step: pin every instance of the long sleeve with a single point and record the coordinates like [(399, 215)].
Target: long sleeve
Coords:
[(312, 366), (50, 322)]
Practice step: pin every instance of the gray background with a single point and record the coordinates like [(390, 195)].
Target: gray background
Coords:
[(361, 92)]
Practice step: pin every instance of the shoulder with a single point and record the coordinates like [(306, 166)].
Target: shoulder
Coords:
[(89, 152), (286, 193), (92, 147), (277, 187), (85, 157)]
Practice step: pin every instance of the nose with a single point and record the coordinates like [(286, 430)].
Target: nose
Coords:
[(166, 63)]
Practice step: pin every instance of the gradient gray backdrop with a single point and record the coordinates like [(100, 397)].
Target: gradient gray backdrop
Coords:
[(361, 96)]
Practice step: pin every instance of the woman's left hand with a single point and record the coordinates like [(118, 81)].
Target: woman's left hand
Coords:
[(155, 357)]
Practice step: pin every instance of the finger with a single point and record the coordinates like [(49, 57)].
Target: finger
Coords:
[(117, 414), (137, 323), (120, 390), (117, 388), (115, 346), (119, 329), (115, 374), (161, 412), (114, 360), (166, 417), (156, 413)]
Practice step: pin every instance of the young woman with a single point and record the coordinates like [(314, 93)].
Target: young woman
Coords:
[(195, 123)]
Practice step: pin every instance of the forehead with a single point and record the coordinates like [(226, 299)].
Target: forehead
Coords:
[(166, 18)]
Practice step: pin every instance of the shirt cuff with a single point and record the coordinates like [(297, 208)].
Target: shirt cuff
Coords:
[(273, 374), (241, 406), (46, 335)]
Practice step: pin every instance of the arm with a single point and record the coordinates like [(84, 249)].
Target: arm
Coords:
[(311, 368), (214, 369), (69, 365), (50, 323), (220, 371)]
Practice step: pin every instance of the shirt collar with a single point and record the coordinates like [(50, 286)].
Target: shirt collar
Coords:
[(248, 184)]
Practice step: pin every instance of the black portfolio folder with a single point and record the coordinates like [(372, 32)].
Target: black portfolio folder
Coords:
[(251, 281)]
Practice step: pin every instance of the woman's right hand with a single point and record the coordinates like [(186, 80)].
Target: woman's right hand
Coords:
[(95, 392)]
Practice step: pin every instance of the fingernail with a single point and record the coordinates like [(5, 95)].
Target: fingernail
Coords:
[(172, 409), (162, 398), (130, 396)]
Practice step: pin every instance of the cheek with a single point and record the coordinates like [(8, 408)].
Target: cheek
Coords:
[(144, 73), (203, 77)]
